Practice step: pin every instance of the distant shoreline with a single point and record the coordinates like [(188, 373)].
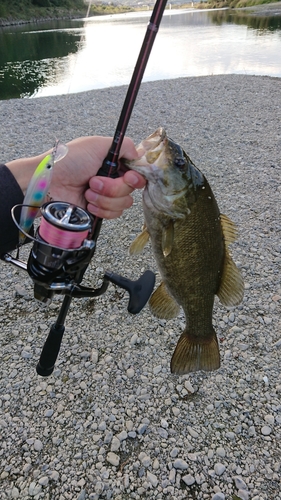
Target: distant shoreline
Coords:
[(266, 9), (260, 10)]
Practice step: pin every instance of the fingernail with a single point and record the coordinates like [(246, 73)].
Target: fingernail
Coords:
[(93, 197), (133, 179), (93, 209), (97, 185)]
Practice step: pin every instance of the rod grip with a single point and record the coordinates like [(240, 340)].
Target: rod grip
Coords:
[(50, 351), (109, 167)]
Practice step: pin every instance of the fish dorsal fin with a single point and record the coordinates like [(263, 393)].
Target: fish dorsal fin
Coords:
[(229, 229), (168, 238), (139, 242), (231, 289), (162, 304)]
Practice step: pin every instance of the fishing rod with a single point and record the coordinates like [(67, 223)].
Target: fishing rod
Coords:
[(57, 268)]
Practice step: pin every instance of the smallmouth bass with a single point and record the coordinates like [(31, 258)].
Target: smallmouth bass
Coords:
[(190, 240)]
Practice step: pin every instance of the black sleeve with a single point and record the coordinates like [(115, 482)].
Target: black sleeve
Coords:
[(10, 195)]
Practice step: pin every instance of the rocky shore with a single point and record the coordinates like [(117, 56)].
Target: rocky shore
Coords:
[(111, 422)]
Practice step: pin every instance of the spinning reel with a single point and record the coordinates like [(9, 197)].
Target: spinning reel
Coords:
[(63, 247)]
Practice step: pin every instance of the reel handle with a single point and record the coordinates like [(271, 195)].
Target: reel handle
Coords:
[(50, 351)]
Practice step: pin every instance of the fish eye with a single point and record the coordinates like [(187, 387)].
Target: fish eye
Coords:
[(179, 162)]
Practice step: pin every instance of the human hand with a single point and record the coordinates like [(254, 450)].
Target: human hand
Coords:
[(74, 177)]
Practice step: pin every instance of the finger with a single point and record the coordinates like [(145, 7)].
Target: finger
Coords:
[(108, 203), (128, 149), (102, 213), (119, 187), (112, 188), (134, 180)]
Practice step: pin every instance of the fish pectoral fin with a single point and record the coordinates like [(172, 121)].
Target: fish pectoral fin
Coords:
[(139, 242), (195, 353), (168, 238), (162, 304), (231, 290)]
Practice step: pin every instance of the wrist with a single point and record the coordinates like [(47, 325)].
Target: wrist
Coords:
[(23, 169)]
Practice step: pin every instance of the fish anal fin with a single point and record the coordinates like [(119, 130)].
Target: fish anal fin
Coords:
[(162, 304), (194, 353), (139, 242), (168, 238)]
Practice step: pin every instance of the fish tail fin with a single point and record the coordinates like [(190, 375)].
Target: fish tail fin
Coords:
[(195, 353)]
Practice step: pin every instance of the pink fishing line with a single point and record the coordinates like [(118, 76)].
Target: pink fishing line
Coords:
[(59, 237)]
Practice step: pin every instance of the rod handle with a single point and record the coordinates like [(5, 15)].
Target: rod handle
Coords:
[(110, 166), (50, 351)]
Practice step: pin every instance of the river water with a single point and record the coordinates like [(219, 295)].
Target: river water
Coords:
[(62, 57)]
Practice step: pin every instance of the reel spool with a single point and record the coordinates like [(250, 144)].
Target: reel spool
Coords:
[(59, 244), (64, 225)]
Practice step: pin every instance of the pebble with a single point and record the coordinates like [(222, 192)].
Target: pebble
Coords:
[(218, 496), (115, 444), (174, 452), (188, 479), (192, 432), (152, 479), (94, 356), (38, 445), (113, 459), (219, 469), (181, 464), (43, 481), (54, 475), (15, 493), (130, 373), (266, 430), (239, 483), (243, 494), (220, 452)]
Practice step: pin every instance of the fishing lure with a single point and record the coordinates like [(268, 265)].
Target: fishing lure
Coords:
[(38, 188)]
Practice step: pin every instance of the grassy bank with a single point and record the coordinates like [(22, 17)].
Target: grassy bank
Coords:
[(233, 4)]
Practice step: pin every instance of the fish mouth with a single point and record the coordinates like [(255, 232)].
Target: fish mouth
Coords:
[(152, 155)]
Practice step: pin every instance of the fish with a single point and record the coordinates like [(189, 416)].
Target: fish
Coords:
[(190, 241), (38, 187)]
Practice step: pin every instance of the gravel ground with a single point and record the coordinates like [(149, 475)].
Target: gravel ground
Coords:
[(111, 421)]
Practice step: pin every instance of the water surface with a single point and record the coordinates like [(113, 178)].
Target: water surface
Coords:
[(62, 57)]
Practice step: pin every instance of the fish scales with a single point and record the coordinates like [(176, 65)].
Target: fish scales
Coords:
[(189, 242)]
